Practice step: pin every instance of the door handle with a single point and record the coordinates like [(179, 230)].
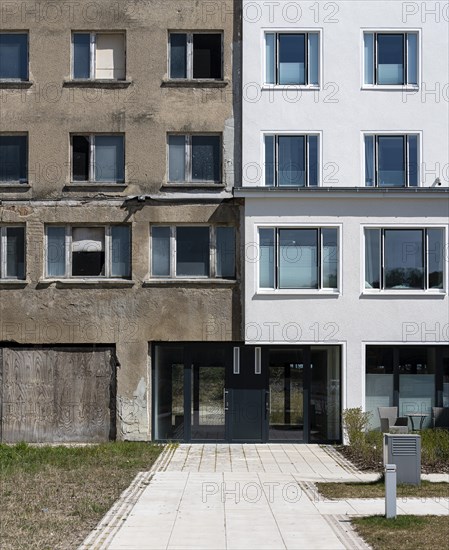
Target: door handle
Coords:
[(225, 400)]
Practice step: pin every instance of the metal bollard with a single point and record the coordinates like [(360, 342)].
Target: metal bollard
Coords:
[(390, 490)]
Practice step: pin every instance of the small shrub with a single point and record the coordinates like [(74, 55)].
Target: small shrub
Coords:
[(355, 424)]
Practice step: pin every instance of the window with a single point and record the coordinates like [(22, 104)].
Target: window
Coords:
[(196, 55), (407, 377), (404, 259), (291, 160), (194, 158), (298, 258), (98, 158), (186, 251), (89, 251), (98, 56), (12, 253), (391, 59), (13, 56), (392, 160), (13, 158), (292, 59)]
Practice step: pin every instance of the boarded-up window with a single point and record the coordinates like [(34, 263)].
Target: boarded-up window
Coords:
[(57, 395)]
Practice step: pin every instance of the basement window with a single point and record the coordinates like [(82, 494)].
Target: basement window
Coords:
[(100, 252), (193, 252), (12, 253), (196, 56), (98, 158), (98, 56)]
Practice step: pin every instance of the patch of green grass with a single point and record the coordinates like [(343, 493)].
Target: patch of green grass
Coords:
[(404, 532), (366, 451), (52, 496), (376, 489)]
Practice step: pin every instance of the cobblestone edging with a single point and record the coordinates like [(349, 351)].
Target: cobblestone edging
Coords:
[(105, 531)]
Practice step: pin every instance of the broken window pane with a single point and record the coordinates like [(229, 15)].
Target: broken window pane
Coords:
[(207, 56), (88, 251)]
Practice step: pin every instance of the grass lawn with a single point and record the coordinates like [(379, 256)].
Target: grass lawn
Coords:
[(51, 497), (404, 532), (376, 489)]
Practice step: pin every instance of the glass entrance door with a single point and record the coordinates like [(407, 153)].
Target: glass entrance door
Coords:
[(286, 395), (208, 396)]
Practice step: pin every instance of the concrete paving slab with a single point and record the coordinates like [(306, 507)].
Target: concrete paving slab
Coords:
[(235, 497)]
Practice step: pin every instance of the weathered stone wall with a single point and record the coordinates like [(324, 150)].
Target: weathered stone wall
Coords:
[(128, 315)]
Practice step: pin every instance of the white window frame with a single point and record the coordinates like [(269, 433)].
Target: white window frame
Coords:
[(404, 292), (276, 135), (68, 252), (3, 252), (27, 79), (188, 151), (398, 133), (93, 54), (277, 32), (173, 248), (92, 180), (299, 291), (189, 55), (377, 31)]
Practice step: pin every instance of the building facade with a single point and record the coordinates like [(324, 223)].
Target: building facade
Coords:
[(221, 221), (345, 149), (118, 225)]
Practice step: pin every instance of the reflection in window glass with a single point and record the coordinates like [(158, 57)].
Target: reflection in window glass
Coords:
[(391, 161), (192, 251), (390, 55), (404, 259), (298, 258)]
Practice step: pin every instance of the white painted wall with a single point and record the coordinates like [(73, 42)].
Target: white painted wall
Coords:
[(341, 110), (351, 318)]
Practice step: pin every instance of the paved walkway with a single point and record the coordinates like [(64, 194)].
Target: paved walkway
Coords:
[(242, 497)]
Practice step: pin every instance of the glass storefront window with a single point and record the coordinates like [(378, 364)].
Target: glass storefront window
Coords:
[(379, 381), (325, 394)]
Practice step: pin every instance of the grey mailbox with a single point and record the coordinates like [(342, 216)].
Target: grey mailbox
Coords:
[(404, 450)]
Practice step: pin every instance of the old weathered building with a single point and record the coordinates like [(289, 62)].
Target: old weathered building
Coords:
[(118, 157)]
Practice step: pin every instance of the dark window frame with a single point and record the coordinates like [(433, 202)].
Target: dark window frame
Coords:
[(213, 255), (92, 157), (320, 260), (108, 251), (189, 61)]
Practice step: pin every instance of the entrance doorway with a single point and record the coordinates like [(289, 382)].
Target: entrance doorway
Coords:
[(237, 393)]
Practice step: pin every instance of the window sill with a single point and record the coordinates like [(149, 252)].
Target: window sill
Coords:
[(391, 87), (189, 282), (86, 283), (13, 186), (15, 84), (190, 185), (311, 293), (195, 83), (107, 84), (367, 293), (284, 87), (13, 283), (95, 186)]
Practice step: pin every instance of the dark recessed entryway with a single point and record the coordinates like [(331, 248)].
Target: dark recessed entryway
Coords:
[(236, 393)]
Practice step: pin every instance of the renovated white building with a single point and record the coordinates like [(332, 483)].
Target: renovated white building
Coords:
[(346, 187)]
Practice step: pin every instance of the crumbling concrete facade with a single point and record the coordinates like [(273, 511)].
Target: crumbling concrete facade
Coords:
[(131, 313)]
